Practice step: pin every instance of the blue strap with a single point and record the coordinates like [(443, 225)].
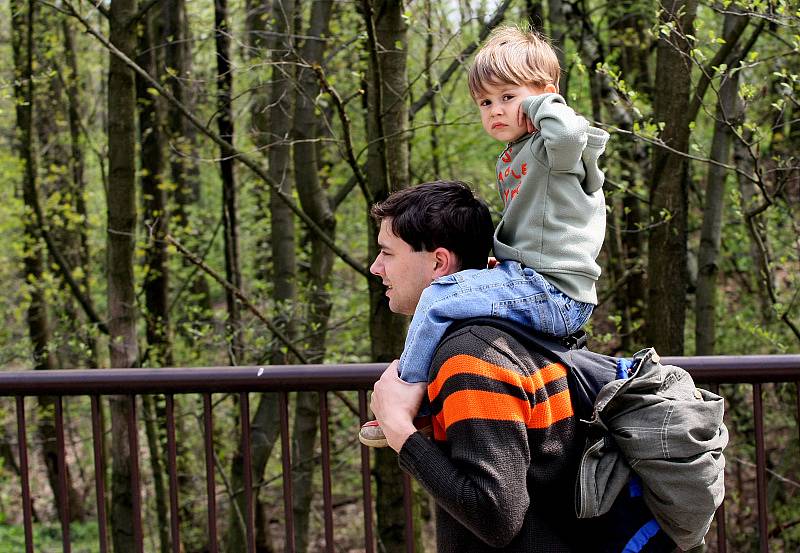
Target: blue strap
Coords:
[(642, 536), (635, 486), (624, 367)]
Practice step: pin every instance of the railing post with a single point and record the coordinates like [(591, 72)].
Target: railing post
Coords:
[(136, 488), (61, 467), (761, 470), (719, 516), (208, 426), (283, 408), (408, 506), (247, 467), (27, 510), (172, 464), (98, 444), (366, 482), (326, 470)]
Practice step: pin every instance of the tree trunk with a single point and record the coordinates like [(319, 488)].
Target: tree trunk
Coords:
[(387, 171), (78, 186), (154, 206), (229, 209), (184, 176), (429, 83), (315, 202), (275, 136), (156, 278), (181, 134), (56, 183), (56, 187), (534, 12), (729, 113), (22, 17), (176, 37), (270, 114), (628, 37), (667, 270), (121, 209)]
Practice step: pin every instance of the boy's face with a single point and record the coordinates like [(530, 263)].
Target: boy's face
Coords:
[(501, 114)]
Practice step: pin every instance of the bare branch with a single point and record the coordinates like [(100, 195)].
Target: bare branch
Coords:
[(661, 144), (66, 272), (348, 140), (725, 51), (239, 295), (377, 90), (143, 11)]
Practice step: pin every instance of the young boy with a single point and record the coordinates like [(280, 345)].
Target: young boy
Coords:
[(554, 211)]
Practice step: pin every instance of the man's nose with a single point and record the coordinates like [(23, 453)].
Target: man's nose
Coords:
[(376, 267)]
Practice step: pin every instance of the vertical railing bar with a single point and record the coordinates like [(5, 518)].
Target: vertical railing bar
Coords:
[(719, 516), (61, 468), (408, 508), (22, 438), (172, 466), (797, 406), (283, 408), (761, 473), (722, 544), (208, 425), (247, 462), (136, 483), (366, 482), (99, 472), (327, 502)]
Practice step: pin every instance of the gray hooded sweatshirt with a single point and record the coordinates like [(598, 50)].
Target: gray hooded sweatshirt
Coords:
[(555, 214)]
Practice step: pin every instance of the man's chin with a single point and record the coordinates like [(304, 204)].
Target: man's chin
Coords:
[(399, 309)]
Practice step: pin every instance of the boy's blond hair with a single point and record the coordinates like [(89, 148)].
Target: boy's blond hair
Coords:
[(514, 56)]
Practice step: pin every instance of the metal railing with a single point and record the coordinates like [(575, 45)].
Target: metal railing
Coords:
[(130, 383)]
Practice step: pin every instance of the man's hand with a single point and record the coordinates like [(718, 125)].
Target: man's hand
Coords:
[(395, 404)]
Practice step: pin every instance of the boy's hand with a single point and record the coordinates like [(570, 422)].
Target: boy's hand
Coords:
[(395, 403), (523, 119)]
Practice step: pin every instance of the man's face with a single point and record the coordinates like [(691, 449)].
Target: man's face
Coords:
[(404, 272), (500, 109)]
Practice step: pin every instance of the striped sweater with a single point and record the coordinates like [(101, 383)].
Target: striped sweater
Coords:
[(502, 464)]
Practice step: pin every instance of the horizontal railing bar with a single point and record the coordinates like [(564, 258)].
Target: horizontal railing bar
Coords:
[(191, 379), (711, 369), (731, 369)]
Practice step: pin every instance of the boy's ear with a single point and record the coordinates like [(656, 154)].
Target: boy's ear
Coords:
[(446, 262), (550, 87)]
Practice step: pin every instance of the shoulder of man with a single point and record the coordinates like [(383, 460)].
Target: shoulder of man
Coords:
[(491, 345)]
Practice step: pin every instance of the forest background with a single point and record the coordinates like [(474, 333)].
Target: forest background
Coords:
[(188, 183)]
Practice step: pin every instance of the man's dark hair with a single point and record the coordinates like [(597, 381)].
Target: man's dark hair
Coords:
[(441, 214)]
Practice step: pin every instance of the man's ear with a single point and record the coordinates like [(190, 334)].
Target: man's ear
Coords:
[(446, 262)]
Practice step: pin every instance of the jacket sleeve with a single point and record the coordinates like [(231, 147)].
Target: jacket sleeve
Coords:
[(563, 131), (481, 480)]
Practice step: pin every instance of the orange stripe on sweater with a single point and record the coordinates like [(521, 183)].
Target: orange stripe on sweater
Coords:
[(557, 407), (478, 404), (466, 364)]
